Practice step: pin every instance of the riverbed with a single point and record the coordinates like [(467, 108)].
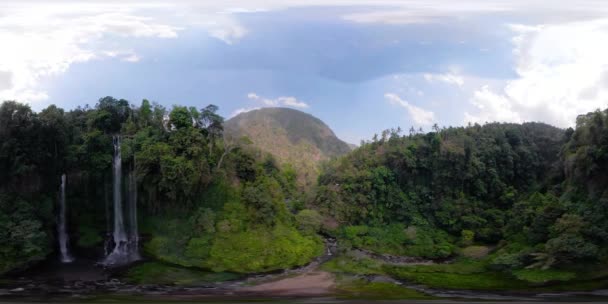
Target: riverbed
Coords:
[(83, 282)]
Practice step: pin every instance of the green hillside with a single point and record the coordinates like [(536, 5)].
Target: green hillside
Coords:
[(531, 195), (292, 136)]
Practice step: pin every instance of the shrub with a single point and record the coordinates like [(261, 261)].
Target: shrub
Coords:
[(262, 249), (507, 261), (198, 248), (467, 237), (476, 252), (22, 234), (309, 221), (395, 239), (569, 247)]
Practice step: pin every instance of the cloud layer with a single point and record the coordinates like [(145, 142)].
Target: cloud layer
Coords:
[(557, 53), (449, 78), (286, 101), (44, 40), (562, 72), (418, 115), (282, 101)]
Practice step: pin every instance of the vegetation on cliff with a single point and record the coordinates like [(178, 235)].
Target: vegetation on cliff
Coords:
[(205, 199)]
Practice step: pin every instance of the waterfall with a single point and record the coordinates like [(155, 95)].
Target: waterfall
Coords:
[(107, 245), (125, 245), (62, 234), (134, 233)]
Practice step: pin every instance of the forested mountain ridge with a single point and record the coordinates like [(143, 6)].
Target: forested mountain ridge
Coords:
[(292, 136)]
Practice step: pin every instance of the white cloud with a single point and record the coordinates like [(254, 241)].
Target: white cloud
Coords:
[(390, 17), (45, 40), (427, 11), (128, 56), (242, 110), (41, 40), (417, 114), (226, 29), (492, 107), (562, 72), (412, 12), (131, 58), (449, 78), (292, 102), (286, 101)]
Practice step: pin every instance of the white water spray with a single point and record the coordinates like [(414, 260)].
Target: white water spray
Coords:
[(125, 246), (134, 232), (62, 234)]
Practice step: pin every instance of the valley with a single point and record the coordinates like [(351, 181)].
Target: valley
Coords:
[(133, 200)]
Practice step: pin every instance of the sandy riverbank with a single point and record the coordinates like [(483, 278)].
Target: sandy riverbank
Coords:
[(313, 283)]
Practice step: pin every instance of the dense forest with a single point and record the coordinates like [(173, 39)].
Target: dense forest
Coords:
[(535, 192), (532, 193), (205, 199)]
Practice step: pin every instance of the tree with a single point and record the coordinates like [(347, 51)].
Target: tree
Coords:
[(110, 114), (570, 247), (436, 128), (230, 144), (145, 113), (180, 117), (212, 124), (309, 221)]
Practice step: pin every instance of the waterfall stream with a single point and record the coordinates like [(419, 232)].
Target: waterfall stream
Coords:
[(134, 233), (125, 245), (62, 234)]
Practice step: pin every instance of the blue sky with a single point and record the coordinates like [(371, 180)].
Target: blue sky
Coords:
[(361, 66)]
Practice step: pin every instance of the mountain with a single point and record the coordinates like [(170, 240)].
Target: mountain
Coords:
[(291, 136)]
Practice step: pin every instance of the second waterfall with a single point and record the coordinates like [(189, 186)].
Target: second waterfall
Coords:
[(125, 238)]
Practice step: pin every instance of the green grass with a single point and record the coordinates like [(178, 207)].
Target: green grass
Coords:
[(475, 252), (352, 265), (460, 266), (543, 276), (361, 289), (472, 274), (462, 274), (473, 281), (475, 274), (159, 273), (586, 285)]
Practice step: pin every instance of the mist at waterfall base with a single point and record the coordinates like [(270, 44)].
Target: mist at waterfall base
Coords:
[(123, 247)]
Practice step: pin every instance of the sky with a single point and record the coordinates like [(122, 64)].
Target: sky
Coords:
[(360, 66)]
